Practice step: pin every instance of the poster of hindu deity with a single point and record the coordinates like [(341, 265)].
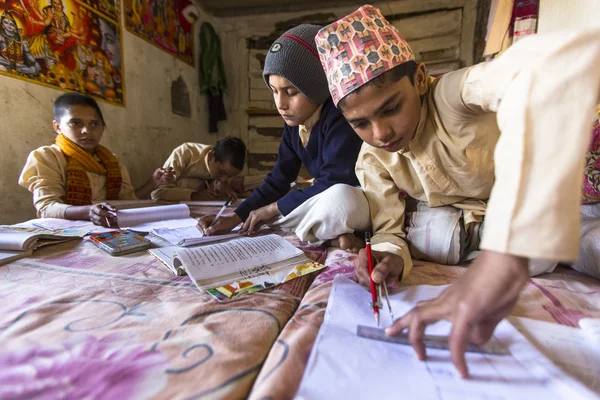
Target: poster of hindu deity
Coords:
[(162, 23), (72, 45)]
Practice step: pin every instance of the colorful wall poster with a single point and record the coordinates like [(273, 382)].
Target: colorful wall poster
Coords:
[(162, 23), (70, 45)]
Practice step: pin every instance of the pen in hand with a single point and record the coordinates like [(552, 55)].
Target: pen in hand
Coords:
[(221, 211), (110, 212)]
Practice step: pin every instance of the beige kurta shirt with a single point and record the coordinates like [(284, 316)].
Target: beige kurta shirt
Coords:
[(305, 129), (45, 175), (190, 163), (540, 94)]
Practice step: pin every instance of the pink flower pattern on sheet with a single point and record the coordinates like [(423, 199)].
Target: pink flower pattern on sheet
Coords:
[(84, 368), (337, 262), (591, 181)]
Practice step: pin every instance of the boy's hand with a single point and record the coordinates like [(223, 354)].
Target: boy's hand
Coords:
[(387, 267), (224, 224), (259, 217), (475, 304), (163, 176), (103, 214)]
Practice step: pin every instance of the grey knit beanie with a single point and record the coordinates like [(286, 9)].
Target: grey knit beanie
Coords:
[(294, 57)]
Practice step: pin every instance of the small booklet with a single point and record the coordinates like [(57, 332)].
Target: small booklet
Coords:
[(118, 243), (147, 218), (244, 265), (189, 236)]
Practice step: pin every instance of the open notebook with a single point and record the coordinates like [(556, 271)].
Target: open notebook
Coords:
[(244, 265), (148, 218)]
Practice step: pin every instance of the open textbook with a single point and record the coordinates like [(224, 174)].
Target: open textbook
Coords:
[(244, 265), (339, 356)]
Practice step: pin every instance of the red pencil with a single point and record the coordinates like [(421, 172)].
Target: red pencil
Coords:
[(373, 290)]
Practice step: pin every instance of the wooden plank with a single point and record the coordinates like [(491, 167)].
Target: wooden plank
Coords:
[(436, 43), (257, 82), (436, 69), (266, 122), (263, 105), (415, 6), (258, 18), (264, 140), (430, 25), (468, 31), (262, 147), (440, 55), (261, 163), (262, 94)]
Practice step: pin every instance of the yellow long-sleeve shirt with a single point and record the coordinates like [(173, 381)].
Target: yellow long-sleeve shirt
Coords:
[(540, 94), (45, 175), (190, 163)]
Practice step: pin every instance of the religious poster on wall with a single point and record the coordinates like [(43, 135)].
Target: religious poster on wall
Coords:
[(164, 23), (71, 45)]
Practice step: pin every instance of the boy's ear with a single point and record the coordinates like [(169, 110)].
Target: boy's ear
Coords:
[(56, 126), (421, 79)]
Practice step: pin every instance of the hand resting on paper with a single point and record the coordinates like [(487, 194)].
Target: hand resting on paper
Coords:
[(102, 214), (387, 268), (224, 224), (259, 217), (475, 304)]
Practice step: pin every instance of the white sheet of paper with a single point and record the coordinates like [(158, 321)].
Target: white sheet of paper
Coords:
[(591, 329), (220, 259), (345, 366), (148, 218), (192, 234), (570, 348), (170, 223)]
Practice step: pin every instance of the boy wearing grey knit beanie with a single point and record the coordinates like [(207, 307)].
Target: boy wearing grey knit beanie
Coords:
[(315, 135)]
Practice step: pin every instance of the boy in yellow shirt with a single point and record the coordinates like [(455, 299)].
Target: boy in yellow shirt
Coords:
[(66, 177), (203, 172)]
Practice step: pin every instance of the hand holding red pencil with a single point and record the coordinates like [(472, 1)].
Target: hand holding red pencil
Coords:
[(387, 268), (374, 297)]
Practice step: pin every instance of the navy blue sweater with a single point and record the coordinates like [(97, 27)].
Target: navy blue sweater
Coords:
[(329, 156)]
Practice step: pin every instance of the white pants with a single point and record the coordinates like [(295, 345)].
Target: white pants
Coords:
[(338, 210), (589, 244), (439, 235)]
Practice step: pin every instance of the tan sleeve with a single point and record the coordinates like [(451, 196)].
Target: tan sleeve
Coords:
[(179, 160), (386, 205), (544, 89), (127, 190), (44, 175)]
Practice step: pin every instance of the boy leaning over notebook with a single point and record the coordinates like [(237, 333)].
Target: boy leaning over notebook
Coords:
[(513, 131)]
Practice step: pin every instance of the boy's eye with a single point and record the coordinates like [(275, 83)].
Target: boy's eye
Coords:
[(74, 124), (360, 125), (95, 124), (392, 110), (292, 94)]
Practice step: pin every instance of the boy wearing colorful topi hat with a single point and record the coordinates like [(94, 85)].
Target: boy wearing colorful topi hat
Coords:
[(503, 139)]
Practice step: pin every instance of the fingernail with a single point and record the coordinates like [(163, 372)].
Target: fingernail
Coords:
[(388, 331)]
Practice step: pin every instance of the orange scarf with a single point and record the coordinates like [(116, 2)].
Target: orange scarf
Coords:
[(79, 190)]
